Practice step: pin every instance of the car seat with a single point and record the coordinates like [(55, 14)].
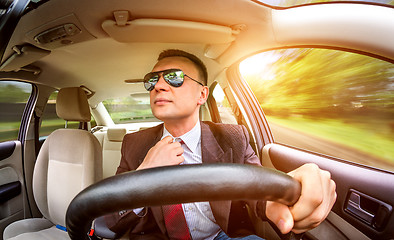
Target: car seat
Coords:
[(69, 161), (112, 144)]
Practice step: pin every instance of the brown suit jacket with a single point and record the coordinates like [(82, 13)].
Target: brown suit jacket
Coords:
[(220, 143)]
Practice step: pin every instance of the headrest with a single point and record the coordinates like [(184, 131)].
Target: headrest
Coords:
[(72, 105), (116, 134)]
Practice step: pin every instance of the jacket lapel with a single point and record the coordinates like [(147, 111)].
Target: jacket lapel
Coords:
[(152, 136), (213, 153), (158, 215)]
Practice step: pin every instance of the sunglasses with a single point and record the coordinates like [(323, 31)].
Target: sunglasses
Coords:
[(174, 77)]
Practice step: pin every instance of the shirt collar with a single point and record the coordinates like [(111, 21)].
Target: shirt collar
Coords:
[(191, 138)]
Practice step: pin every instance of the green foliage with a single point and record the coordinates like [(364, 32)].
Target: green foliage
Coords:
[(325, 83), (14, 93), (53, 96)]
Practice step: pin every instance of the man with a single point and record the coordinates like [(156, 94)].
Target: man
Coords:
[(177, 86)]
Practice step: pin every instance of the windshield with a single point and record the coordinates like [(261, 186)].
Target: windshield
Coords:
[(292, 3), (131, 109)]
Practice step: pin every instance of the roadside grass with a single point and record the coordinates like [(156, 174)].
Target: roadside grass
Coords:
[(358, 136), (9, 131), (5, 126)]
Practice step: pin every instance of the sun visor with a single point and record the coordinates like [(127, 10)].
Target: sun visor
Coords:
[(23, 56), (168, 31)]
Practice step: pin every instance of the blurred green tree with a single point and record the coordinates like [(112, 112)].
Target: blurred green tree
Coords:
[(324, 83)]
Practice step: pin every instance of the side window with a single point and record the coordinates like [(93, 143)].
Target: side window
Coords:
[(50, 121), (133, 108), (13, 98), (226, 111), (332, 102), (230, 112)]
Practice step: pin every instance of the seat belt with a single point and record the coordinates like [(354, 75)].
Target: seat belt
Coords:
[(36, 133)]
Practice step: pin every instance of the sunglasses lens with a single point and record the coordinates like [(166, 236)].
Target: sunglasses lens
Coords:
[(150, 81), (174, 78)]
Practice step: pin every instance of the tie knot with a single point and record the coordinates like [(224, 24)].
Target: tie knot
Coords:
[(179, 140)]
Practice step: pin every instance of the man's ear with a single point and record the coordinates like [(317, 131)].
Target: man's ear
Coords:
[(203, 95)]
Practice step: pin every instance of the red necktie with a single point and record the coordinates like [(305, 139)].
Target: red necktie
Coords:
[(174, 218), (175, 222)]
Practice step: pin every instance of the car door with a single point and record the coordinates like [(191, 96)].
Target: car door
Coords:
[(16, 101), (334, 109), (15, 105)]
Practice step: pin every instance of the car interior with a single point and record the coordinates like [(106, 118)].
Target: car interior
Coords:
[(80, 64)]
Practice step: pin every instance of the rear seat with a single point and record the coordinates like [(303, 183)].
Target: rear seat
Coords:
[(111, 143)]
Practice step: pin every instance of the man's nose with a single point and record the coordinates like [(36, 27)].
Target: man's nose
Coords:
[(161, 84)]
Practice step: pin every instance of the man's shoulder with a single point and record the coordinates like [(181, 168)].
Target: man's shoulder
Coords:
[(142, 134), (224, 128), (227, 134), (220, 125)]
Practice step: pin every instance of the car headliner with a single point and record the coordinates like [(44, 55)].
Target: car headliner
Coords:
[(102, 64)]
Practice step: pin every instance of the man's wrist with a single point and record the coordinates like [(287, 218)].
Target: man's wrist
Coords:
[(140, 212), (261, 208)]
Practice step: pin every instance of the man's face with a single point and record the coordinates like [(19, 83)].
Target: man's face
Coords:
[(176, 103)]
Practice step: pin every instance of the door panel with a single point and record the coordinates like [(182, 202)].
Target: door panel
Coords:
[(365, 195), (11, 179)]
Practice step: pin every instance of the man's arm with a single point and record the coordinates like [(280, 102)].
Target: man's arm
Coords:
[(124, 220), (317, 198)]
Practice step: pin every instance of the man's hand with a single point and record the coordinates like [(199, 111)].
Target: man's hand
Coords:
[(317, 198), (164, 153)]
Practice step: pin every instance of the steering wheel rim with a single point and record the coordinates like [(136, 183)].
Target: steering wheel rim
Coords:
[(178, 184)]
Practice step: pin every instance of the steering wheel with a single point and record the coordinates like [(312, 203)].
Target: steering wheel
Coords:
[(177, 184)]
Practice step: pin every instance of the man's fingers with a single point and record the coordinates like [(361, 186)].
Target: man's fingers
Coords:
[(280, 215), (312, 194), (165, 152), (317, 197), (177, 148), (316, 218), (167, 139)]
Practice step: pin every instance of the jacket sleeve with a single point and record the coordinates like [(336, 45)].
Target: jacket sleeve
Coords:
[(121, 222), (250, 157)]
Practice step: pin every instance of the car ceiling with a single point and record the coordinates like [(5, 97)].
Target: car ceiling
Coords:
[(98, 61)]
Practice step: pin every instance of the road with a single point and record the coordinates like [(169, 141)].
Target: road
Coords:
[(306, 141), (309, 142)]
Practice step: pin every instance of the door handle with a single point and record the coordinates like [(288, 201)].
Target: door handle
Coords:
[(369, 210), (9, 190)]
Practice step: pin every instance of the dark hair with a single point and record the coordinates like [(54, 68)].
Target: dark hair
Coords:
[(202, 70)]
